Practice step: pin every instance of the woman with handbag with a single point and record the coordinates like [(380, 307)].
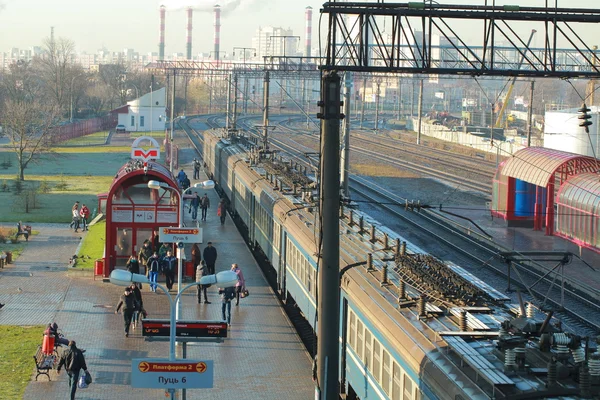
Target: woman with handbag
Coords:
[(240, 286)]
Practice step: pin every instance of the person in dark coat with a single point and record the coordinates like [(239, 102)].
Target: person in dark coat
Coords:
[(169, 267), (138, 305), (222, 211), (227, 294), (133, 266), (201, 271), (196, 255), (205, 205), (194, 204), (145, 253), (155, 239), (73, 361), (153, 267), (210, 257), (196, 165), (127, 301)]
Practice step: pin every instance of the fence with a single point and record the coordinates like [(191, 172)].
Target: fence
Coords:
[(81, 128)]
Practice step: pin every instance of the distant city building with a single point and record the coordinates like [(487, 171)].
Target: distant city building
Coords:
[(269, 41), (144, 114)]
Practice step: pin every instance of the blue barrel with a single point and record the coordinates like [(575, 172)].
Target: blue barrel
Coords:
[(524, 199)]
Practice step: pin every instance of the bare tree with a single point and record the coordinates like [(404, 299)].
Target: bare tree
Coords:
[(55, 68), (27, 118)]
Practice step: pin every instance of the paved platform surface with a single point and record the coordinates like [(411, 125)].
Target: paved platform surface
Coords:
[(263, 357), (526, 239)]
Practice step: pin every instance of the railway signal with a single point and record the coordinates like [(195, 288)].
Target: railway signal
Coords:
[(585, 117)]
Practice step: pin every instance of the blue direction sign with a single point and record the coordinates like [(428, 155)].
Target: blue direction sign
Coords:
[(160, 373)]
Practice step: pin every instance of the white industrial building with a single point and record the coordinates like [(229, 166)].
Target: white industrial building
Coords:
[(144, 114), (562, 132), (271, 41)]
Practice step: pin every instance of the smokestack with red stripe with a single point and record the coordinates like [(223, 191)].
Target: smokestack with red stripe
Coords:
[(190, 12), (161, 34), (217, 31), (308, 31)]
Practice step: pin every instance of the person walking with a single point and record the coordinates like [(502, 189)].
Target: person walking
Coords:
[(75, 213), (73, 361), (201, 271), (162, 252), (138, 305), (144, 254), (133, 266), (196, 169), (75, 207), (241, 283), (155, 240), (153, 266), (196, 255), (84, 214), (169, 266), (180, 177), (227, 294), (222, 211), (127, 301), (205, 205), (210, 257), (194, 204)]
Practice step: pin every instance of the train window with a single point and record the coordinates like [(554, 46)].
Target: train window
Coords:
[(359, 339), (408, 388), (386, 372), (396, 382), (368, 347), (376, 367), (352, 331)]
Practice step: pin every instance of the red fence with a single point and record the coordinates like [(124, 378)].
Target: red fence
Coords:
[(82, 128)]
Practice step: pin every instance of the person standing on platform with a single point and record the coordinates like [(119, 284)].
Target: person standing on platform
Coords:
[(227, 294), (138, 304), (196, 169), (210, 257), (153, 266), (133, 266), (196, 256), (75, 213), (205, 205), (155, 240), (222, 211), (201, 271), (241, 283), (169, 267), (75, 207), (194, 204), (162, 252), (180, 177), (73, 361), (84, 213), (127, 301), (144, 254)]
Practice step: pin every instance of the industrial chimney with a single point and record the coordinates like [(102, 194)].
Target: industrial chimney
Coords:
[(161, 34), (308, 31), (217, 31), (190, 12)]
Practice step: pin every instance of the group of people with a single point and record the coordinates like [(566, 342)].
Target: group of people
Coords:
[(183, 180), (133, 307), (79, 217), (202, 202), (227, 294)]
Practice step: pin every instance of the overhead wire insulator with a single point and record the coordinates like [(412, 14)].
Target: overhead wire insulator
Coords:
[(585, 117)]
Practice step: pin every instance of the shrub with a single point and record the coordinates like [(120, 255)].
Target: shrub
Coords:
[(62, 183), (44, 187), (5, 234)]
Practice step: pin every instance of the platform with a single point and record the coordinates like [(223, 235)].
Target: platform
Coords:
[(262, 358)]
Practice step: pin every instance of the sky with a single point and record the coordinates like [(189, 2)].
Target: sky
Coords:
[(120, 24)]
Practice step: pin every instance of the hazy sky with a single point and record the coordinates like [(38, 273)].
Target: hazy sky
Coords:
[(119, 24)]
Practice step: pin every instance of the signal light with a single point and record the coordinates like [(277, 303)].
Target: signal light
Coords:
[(585, 118)]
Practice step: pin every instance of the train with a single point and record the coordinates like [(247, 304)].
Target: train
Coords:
[(412, 326)]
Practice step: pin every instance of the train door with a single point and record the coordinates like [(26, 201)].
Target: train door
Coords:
[(281, 275), (253, 221)]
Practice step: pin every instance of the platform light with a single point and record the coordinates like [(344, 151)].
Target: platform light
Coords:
[(585, 117)]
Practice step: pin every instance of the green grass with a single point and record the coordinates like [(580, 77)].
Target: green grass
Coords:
[(15, 248), (102, 161), (92, 246), (17, 347), (93, 139), (55, 206), (154, 134)]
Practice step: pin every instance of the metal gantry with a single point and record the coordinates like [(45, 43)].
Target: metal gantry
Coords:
[(424, 39)]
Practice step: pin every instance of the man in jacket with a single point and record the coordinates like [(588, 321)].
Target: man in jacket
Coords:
[(84, 213), (127, 301), (201, 271), (194, 204), (73, 361), (169, 267), (205, 205), (210, 257), (153, 266), (196, 169), (227, 294), (145, 253)]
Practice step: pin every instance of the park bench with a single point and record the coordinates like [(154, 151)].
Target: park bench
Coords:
[(23, 231), (43, 362)]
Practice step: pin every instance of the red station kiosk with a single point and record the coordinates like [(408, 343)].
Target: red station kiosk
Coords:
[(134, 212)]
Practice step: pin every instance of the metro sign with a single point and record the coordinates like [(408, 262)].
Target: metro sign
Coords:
[(140, 153)]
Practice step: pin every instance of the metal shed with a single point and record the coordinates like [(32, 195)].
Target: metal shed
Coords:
[(524, 185), (578, 210)]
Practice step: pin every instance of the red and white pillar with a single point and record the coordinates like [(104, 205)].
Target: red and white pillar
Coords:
[(217, 31), (188, 42), (161, 34), (308, 34)]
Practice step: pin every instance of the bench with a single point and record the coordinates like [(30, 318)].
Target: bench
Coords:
[(26, 231), (43, 362)]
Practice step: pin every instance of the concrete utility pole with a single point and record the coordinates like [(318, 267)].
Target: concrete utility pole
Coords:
[(210, 93), (266, 112), (420, 111), (245, 95), (234, 94), (227, 118), (362, 107), (412, 100), (329, 268), (172, 123), (530, 114), (345, 153), (399, 99), (378, 83)]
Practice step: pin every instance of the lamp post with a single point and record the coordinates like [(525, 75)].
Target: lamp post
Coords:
[(121, 277), (157, 185)]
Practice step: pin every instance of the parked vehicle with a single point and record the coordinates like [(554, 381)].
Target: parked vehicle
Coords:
[(120, 128)]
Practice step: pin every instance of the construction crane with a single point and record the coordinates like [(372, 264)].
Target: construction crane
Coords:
[(512, 84)]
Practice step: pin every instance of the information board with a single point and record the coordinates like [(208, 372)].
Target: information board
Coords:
[(159, 373)]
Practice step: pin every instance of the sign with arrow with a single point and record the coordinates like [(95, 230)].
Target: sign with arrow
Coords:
[(177, 235), (159, 373)]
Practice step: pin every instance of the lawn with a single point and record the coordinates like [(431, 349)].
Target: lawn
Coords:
[(92, 247), (76, 161), (98, 138), (54, 206), (17, 347), (154, 134)]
